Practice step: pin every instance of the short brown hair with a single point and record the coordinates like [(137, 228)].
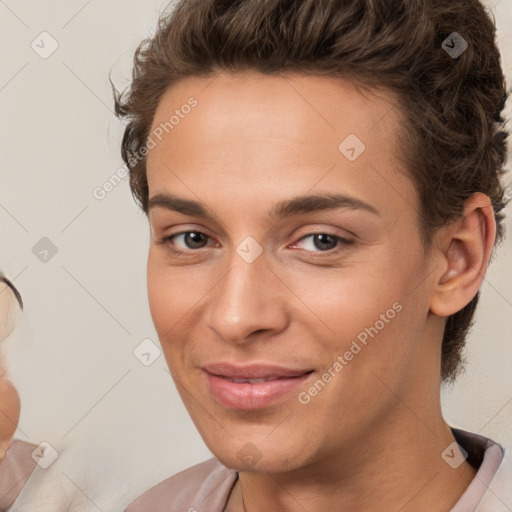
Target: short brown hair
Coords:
[(454, 138)]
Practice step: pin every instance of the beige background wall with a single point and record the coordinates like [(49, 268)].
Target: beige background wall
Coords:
[(71, 356)]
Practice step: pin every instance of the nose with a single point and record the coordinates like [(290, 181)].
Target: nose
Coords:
[(249, 301)]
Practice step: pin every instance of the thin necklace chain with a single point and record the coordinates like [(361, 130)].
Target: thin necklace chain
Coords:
[(242, 495)]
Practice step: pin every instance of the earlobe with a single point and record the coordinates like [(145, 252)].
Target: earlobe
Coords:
[(468, 243)]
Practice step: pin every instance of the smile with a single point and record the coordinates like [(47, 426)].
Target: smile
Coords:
[(247, 393)]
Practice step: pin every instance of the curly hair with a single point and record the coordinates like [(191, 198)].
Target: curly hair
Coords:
[(453, 140)]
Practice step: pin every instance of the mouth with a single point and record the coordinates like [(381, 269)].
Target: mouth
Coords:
[(265, 371), (252, 387), (253, 381)]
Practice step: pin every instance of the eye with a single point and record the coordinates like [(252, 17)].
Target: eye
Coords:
[(191, 239), (324, 242)]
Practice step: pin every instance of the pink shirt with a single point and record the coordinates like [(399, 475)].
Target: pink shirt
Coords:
[(207, 487), (15, 469)]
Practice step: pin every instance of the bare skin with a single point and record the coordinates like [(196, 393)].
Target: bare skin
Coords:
[(9, 414), (9, 398), (372, 438)]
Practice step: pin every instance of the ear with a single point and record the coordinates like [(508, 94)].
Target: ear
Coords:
[(466, 247)]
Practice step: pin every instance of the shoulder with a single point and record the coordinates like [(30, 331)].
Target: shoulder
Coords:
[(493, 481), (498, 497), (16, 467), (203, 487)]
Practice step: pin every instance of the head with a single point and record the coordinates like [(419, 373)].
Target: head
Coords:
[(10, 301), (243, 107)]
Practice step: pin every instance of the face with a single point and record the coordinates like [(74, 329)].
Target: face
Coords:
[(326, 298)]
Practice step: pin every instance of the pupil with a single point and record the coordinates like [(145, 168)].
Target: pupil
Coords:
[(323, 239), (195, 240), (192, 239)]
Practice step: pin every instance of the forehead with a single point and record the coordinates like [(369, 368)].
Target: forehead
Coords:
[(283, 134), (302, 105)]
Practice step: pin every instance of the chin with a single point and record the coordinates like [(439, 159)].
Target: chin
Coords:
[(253, 457)]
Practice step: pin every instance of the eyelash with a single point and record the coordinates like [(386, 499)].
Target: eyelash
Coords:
[(342, 246)]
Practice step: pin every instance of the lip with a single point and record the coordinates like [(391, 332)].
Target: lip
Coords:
[(253, 371), (251, 396)]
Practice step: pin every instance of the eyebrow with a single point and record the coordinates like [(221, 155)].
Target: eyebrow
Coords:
[(284, 209)]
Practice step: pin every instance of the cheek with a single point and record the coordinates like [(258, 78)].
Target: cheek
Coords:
[(166, 308), (369, 303), (346, 300), (174, 295), (164, 296)]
